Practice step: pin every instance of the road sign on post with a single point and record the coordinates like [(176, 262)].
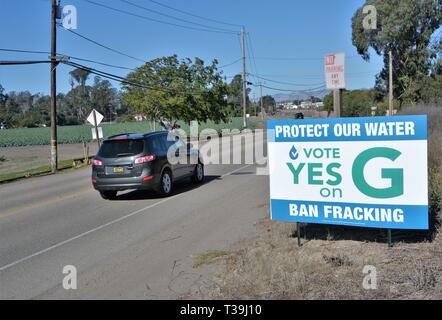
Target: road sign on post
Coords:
[(334, 68), (95, 119), (364, 172), (94, 133)]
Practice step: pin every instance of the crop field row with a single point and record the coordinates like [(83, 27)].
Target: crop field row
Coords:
[(77, 134)]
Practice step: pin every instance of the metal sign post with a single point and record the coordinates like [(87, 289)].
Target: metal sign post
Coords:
[(96, 128)]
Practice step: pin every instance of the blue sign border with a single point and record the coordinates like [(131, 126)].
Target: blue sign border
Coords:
[(420, 126)]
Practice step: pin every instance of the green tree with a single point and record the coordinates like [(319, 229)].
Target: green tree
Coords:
[(268, 103), (404, 27), (355, 103), (104, 98), (235, 97), (81, 92), (177, 90)]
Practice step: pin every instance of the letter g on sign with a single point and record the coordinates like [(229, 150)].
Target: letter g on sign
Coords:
[(395, 175)]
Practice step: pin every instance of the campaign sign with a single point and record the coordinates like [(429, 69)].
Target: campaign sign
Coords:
[(366, 172)]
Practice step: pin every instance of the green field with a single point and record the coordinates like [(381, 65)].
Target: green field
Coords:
[(78, 134)]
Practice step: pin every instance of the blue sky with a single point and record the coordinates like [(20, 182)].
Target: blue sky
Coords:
[(300, 30)]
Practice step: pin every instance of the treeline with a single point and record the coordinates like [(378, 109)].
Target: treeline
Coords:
[(162, 88), (24, 109)]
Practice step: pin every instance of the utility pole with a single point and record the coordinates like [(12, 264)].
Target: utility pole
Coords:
[(390, 109), (262, 102), (337, 101), (390, 84), (244, 79), (54, 153)]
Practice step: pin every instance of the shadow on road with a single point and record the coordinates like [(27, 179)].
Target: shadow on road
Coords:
[(179, 187)]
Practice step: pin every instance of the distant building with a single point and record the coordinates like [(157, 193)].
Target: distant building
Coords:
[(140, 117)]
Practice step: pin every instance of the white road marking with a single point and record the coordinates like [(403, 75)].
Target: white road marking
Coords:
[(8, 266)]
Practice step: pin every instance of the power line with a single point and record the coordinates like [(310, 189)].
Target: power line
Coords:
[(173, 17), (253, 53), (230, 64), (101, 63), (68, 56), (24, 51), (103, 46), (299, 59), (194, 15), (155, 20), (125, 80), (16, 62), (289, 83), (291, 90)]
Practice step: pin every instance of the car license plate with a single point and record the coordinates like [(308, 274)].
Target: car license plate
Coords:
[(118, 169)]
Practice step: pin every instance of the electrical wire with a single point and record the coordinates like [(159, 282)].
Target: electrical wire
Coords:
[(230, 64), (24, 51), (124, 80), (173, 17), (12, 63), (194, 15), (155, 20), (291, 90), (103, 46), (289, 83), (68, 56)]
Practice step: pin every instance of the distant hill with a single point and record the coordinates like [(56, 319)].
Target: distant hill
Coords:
[(299, 95)]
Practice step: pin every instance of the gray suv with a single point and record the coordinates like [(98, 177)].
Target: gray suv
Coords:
[(142, 161)]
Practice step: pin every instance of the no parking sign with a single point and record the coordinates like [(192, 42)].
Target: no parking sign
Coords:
[(367, 172)]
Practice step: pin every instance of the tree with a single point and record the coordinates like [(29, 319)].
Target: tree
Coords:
[(268, 103), (104, 98), (81, 92), (235, 97), (177, 90), (355, 103), (404, 27)]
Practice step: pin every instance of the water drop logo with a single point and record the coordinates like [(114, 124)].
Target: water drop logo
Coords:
[(293, 153)]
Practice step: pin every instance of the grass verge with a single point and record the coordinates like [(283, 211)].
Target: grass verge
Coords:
[(209, 257), (63, 165)]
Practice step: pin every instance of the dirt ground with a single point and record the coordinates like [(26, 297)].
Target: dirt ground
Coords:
[(16, 159), (332, 263)]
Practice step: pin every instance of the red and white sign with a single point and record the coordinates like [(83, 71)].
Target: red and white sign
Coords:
[(334, 69)]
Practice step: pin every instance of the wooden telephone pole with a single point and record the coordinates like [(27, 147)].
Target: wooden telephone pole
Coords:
[(390, 84), (337, 101), (54, 152), (244, 79)]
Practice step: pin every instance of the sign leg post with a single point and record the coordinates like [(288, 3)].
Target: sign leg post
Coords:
[(389, 240), (298, 233), (96, 128)]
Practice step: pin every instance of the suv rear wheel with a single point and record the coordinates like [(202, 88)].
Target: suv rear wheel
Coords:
[(108, 195), (198, 174), (166, 183)]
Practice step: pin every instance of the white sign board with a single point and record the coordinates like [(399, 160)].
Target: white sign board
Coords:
[(334, 68), (362, 172), (100, 133), (98, 115)]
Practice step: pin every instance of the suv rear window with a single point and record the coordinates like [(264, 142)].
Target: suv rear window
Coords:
[(121, 148)]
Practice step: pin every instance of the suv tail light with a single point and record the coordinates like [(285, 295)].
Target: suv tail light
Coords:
[(144, 159), (97, 163)]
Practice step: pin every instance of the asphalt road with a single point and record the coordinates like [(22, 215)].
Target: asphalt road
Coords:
[(140, 246)]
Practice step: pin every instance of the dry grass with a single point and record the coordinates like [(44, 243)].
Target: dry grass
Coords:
[(330, 263), (209, 257), (272, 266)]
